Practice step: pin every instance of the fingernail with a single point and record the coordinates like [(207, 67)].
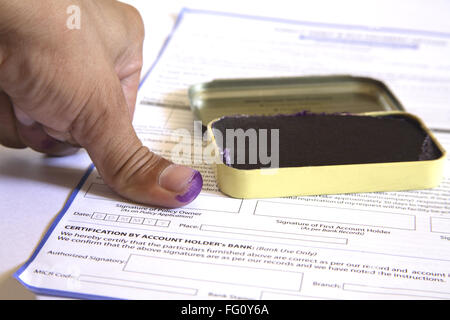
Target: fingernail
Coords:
[(23, 118), (195, 187), (177, 178)]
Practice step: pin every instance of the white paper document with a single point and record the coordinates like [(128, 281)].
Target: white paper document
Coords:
[(388, 245)]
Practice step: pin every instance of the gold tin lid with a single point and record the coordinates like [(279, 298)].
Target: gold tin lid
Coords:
[(268, 96)]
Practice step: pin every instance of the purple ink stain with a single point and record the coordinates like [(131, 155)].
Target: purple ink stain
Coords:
[(226, 158), (195, 186)]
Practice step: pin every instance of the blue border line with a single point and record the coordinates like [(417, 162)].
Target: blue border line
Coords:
[(70, 294), (44, 240), (58, 218), (76, 295), (323, 24), (165, 44), (363, 43)]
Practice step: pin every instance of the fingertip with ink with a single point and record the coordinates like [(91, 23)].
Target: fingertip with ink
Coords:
[(183, 180), (194, 189)]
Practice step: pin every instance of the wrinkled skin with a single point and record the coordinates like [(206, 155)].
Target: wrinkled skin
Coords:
[(63, 88)]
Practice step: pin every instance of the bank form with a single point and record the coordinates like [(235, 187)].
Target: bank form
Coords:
[(391, 245)]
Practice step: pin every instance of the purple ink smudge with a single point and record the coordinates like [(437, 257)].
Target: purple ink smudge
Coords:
[(226, 157), (195, 186)]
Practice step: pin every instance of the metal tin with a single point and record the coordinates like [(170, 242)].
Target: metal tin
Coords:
[(329, 94), (267, 96), (334, 179)]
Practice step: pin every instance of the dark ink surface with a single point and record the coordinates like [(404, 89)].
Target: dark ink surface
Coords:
[(307, 139)]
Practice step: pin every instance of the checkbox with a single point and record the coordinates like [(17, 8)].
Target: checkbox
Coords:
[(98, 216), (150, 222), (162, 223), (111, 217), (125, 219), (136, 220)]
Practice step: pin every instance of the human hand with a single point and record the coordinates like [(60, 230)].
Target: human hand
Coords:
[(62, 88)]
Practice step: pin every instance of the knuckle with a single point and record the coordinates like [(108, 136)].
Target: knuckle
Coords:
[(137, 23)]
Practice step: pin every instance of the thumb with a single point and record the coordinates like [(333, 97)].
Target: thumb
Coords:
[(104, 129)]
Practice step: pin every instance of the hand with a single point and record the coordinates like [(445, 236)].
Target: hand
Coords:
[(62, 88)]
